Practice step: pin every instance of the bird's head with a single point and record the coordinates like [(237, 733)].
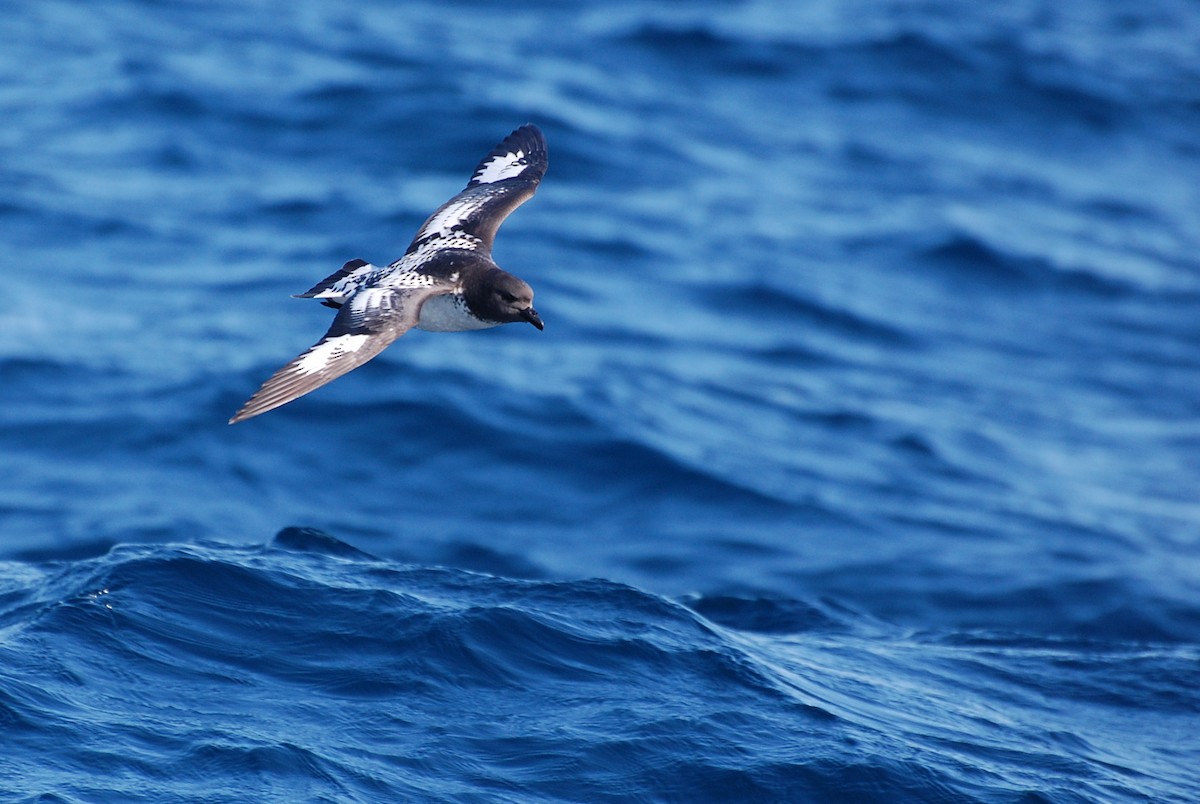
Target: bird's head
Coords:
[(506, 299)]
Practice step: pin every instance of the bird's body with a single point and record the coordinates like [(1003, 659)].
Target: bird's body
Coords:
[(445, 282)]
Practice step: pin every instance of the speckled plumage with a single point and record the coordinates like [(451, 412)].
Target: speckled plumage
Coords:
[(446, 281)]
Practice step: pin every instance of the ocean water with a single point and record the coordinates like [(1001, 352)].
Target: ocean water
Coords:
[(859, 460)]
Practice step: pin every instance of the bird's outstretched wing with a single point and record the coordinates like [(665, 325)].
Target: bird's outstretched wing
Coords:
[(364, 326), (504, 179)]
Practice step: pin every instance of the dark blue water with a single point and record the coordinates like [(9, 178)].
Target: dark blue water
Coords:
[(859, 460)]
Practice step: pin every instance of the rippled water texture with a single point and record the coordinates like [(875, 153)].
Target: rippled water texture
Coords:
[(858, 460)]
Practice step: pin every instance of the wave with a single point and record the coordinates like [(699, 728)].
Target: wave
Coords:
[(306, 664), (970, 257), (973, 70), (310, 659), (773, 307)]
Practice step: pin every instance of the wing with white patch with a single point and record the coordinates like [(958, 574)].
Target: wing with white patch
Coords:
[(520, 155), (504, 179), (363, 328)]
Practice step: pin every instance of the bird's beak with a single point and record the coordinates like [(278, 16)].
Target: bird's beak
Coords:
[(530, 315)]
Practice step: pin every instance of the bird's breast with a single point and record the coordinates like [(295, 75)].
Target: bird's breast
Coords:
[(448, 313)]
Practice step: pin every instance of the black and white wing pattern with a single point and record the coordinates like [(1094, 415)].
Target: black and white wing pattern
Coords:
[(504, 179), (377, 305), (339, 286), (364, 326)]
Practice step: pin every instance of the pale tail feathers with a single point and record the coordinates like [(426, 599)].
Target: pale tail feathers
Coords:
[(341, 284)]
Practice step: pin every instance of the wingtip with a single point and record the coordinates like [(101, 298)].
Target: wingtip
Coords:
[(257, 405), (530, 135), (253, 408), (502, 162)]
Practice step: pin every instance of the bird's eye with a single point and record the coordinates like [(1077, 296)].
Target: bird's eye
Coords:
[(508, 297)]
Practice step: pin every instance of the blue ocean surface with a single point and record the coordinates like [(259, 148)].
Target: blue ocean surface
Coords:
[(859, 460)]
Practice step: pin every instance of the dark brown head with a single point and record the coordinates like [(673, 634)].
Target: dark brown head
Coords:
[(500, 296)]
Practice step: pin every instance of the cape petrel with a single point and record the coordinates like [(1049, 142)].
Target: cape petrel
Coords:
[(445, 282)]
